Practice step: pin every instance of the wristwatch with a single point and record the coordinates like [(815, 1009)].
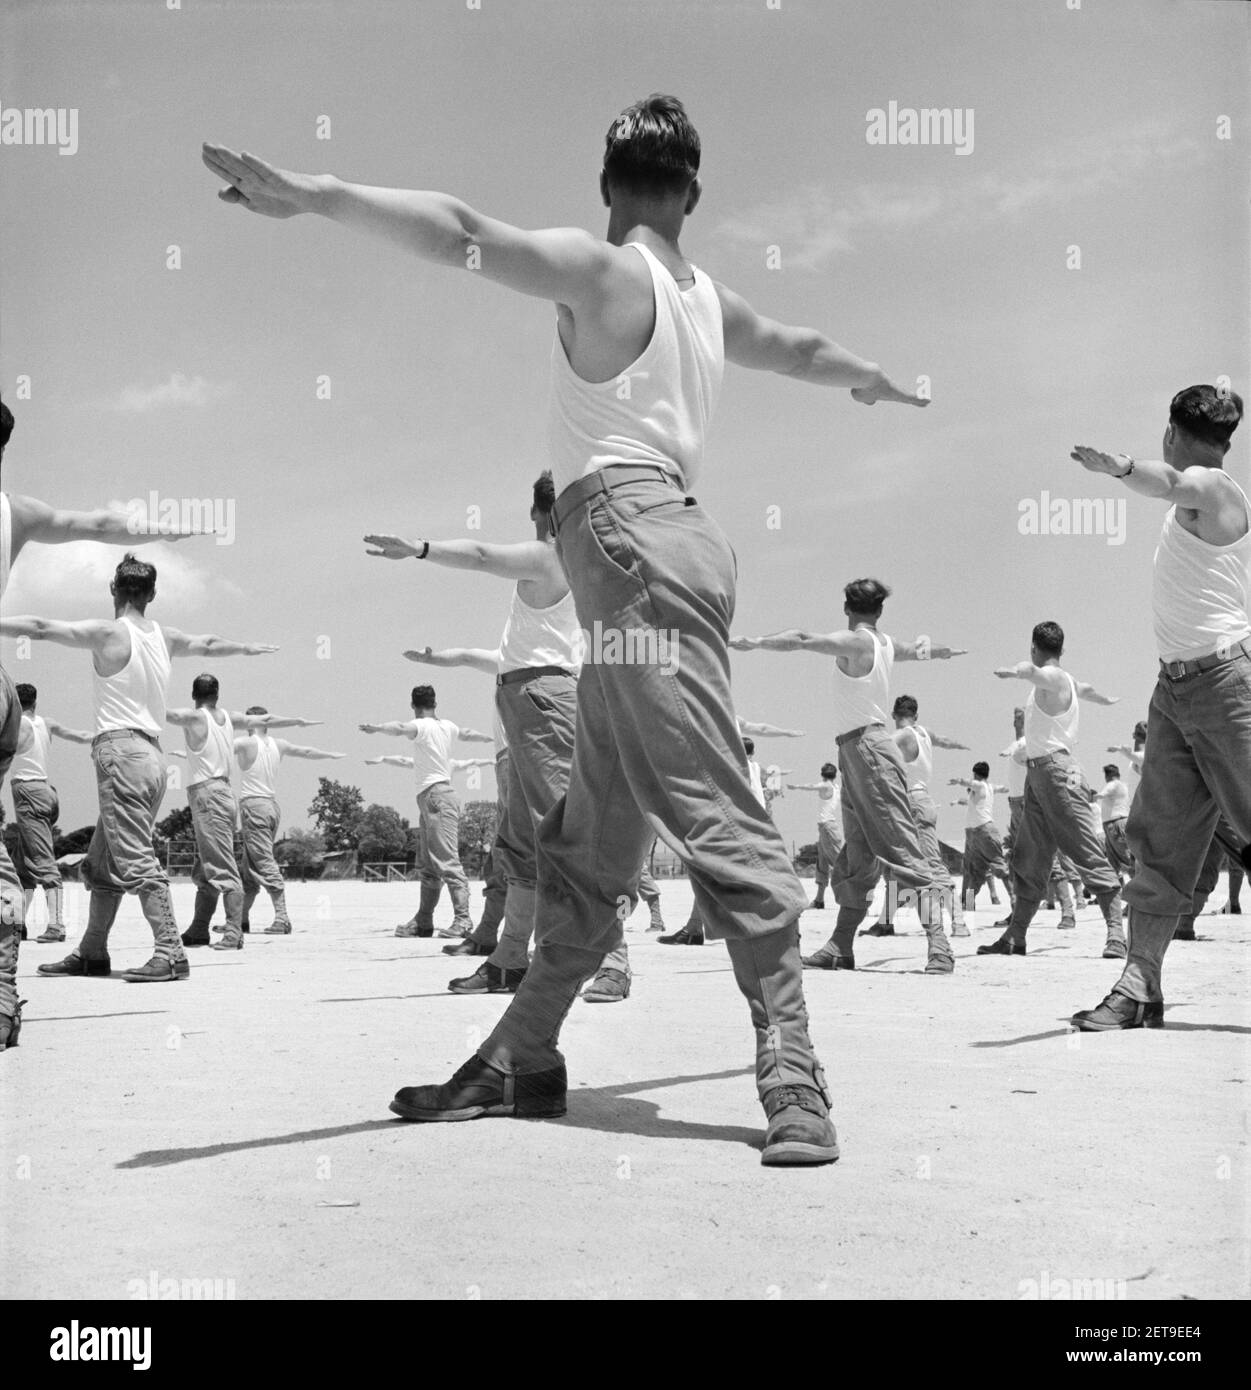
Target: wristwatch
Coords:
[(425, 549), (1130, 469)]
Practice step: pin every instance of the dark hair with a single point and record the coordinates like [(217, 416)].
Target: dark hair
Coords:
[(905, 704), (866, 596), (1019, 712), (749, 745), (1112, 768), (652, 148), (6, 425), (423, 697), (134, 579), (544, 493), (1049, 638), (829, 771), (205, 687), (26, 695), (256, 709), (1205, 413), (1140, 729), (981, 770)]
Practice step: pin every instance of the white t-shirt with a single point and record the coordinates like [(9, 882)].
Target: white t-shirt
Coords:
[(432, 751), (981, 807), (1114, 800)]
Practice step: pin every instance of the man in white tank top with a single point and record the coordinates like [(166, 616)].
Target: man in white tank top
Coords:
[(130, 678), (879, 820), (22, 520), (1198, 755), (1057, 812), (1113, 798), (637, 362), (36, 808), (829, 827), (258, 754), (984, 858), (438, 808), (916, 746)]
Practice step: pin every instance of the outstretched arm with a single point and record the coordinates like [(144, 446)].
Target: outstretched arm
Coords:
[(184, 644), (1196, 489), (473, 736), (476, 658), (751, 726), (1086, 691), (803, 786), (752, 340), (34, 520), (68, 734), (562, 263), (88, 635), (959, 782), (397, 728), (459, 763), (796, 639), (525, 560), (302, 750), (391, 760), (271, 721), (940, 742), (922, 649), (1050, 678)]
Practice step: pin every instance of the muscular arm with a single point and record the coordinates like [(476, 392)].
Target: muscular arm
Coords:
[(458, 764), (271, 721), (763, 344), (940, 742), (1086, 691), (564, 264), (922, 649), (34, 520), (1050, 678), (796, 639), (397, 728), (391, 760), (1196, 489), (302, 750), (68, 734), (749, 726), (88, 635), (476, 658), (473, 736), (184, 644), (525, 560), (803, 786)]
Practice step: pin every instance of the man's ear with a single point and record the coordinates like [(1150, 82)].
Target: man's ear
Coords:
[(692, 198)]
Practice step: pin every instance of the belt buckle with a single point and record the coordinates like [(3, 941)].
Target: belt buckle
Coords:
[(1174, 670)]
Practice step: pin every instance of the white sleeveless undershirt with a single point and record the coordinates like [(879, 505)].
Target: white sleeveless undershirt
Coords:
[(860, 700), (1200, 593), (1048, 733), (135, 697), (1016, 769), (216, 757), (432, 751), (658, 409), (541, 636), (922, 768), (32, 765), (261, 778)]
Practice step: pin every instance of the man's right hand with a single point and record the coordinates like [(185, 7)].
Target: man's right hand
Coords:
[(259, 186)]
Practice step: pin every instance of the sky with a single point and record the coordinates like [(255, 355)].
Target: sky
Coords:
[(1096, 129)]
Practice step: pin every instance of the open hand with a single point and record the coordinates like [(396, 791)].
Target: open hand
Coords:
[(885, 390), (1095, 461), (390, 547), (259, 186)]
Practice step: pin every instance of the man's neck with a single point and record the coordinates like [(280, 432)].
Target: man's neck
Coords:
[(127, 610), (654, 229)]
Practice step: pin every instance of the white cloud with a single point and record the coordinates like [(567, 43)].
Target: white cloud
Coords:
[(72, 581), (178, 390)]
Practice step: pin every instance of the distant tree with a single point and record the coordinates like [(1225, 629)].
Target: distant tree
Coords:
[(477, 831), (301, 851), (382, 833), (176, 826), (807, 856), (76, 842), (336, 811)]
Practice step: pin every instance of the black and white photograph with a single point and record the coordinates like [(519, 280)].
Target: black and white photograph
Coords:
[(640, 610)]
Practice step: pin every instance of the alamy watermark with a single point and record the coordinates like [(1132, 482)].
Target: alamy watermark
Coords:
[(1045, 515), (934, 125), (155, 515), (631, 646), (33, 125)]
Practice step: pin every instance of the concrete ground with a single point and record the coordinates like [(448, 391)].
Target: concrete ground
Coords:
[(235, 1128)]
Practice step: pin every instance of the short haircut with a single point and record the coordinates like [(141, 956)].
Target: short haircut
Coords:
[(1140, 729), (749, 745), (1019, 712), (256, 709), (6, 425), (205, 687), (544, 493), (1049, 638), (27, 695), (423, 697), (981, 770), (1112, 768), (652, 148), (866, 595), (1207, 414), (906, 705), (134, 579), (829, 771)]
